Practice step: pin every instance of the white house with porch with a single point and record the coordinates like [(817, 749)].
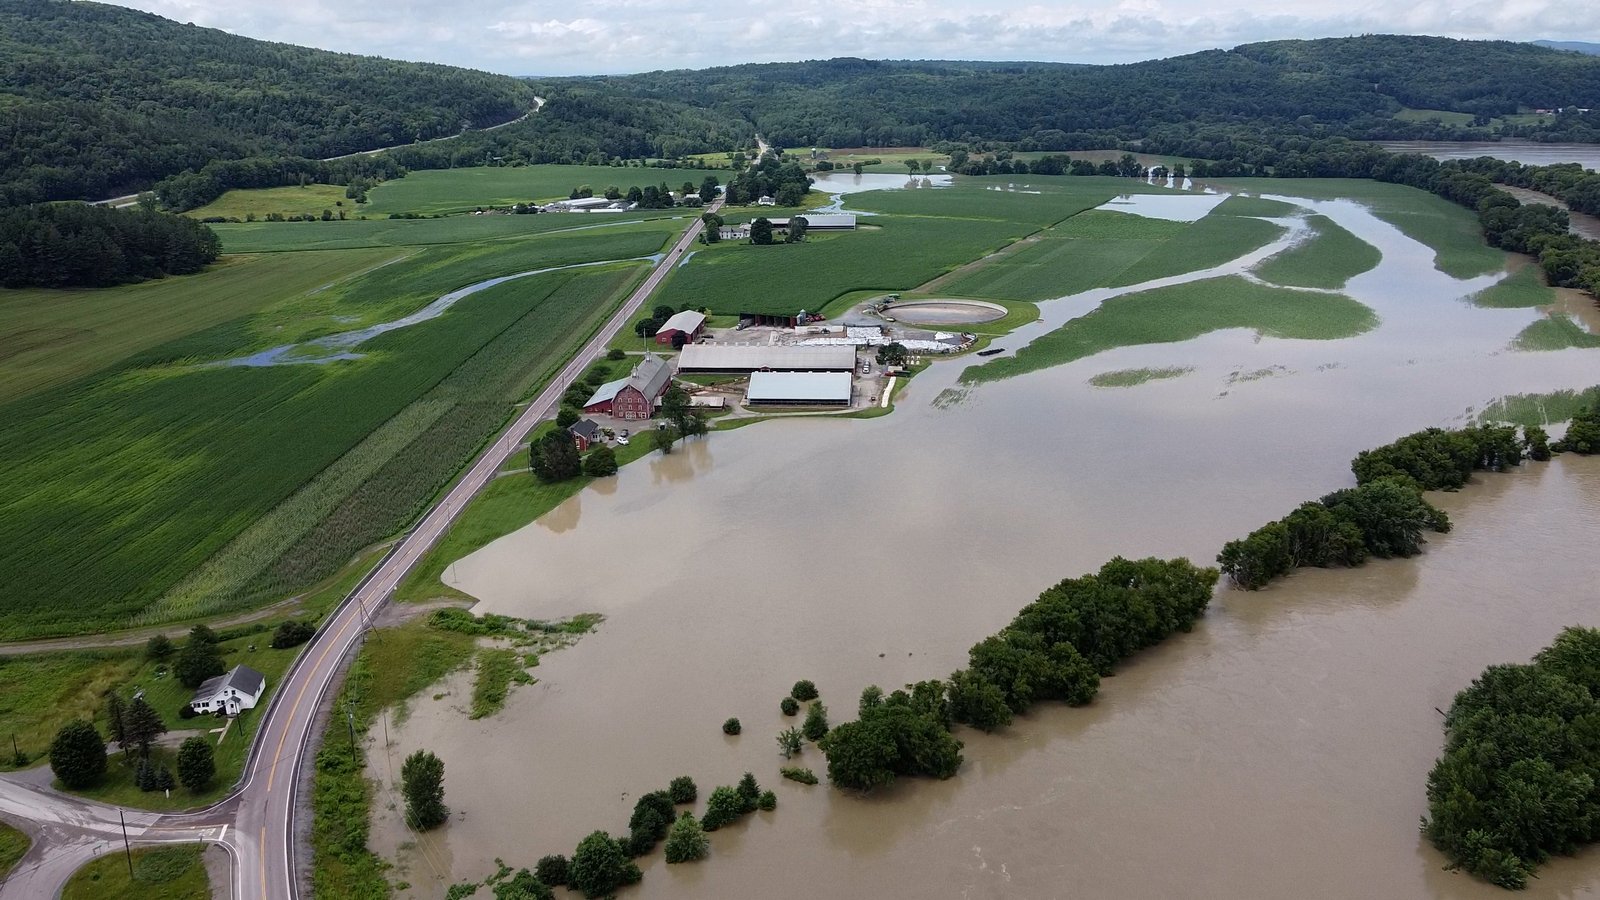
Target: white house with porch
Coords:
[(231, 693)]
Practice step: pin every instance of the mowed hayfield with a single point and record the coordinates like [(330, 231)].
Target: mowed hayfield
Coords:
[(291, 200), (915, 237), (457, 190), (162, 487)]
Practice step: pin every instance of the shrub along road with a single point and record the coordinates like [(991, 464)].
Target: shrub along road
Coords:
[(68, 832)]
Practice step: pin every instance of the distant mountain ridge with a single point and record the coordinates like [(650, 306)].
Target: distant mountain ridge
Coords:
[(1574, 46), (97, 98)]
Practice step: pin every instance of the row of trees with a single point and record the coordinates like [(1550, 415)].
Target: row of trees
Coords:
[(74, 245), (194, 188), (1056, 649), (78, 752), (772, 176), (1518, 779)]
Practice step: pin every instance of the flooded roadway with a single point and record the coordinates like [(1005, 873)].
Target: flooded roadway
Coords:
[(1279, 750)]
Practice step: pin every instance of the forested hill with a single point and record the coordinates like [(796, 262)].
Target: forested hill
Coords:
[(98, 99), (1357, 85)]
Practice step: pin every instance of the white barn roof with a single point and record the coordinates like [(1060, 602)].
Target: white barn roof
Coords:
[(791, 387), (829, 220), (686, 322), (754, 357)]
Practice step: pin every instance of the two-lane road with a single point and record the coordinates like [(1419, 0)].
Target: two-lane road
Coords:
[(257, 824)]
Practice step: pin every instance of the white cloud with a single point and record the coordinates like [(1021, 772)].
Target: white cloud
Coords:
[(609, 36)]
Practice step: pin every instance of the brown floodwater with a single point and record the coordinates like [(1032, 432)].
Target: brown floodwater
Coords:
[(1581, 224), (1279, 750)]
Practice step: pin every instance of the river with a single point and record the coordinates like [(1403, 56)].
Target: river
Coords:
[(1530, 152), (1279, 750)]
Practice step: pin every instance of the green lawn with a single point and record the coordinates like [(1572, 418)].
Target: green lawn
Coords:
[(1327, 259), (172, 872), (122, 484), (457, 190), (299, 200), (271, 237), (13, 846), (55, 336), (1183, 312), (1452, 231), (1523, 288), (1558, 332)]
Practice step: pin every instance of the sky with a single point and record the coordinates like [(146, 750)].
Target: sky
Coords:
[(588, 37)]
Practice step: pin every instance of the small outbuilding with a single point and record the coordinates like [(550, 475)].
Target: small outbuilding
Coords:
[(230, 693), (689, 323), (636, 396), (799, 389), (585, 433)]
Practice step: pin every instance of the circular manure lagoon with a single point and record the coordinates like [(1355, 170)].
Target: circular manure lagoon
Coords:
[(944, 312)]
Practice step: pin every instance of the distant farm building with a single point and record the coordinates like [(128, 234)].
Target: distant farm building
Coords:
[(766, 201), (585, 433), (742, 358), (814, 222), (689, 323), (589, 204), (635, 396), (799, 389)]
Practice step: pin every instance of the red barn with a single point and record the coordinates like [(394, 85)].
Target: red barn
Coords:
[(633, 397), (688, 323)]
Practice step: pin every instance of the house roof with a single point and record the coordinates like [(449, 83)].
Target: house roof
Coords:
[(821, 387), (649, 377), (586, 429), (686, 321), (752, 357), (241, 678)]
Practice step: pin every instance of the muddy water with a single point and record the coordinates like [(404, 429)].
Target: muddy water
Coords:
[(1528, 152), (1582, 224), (1280, 750)]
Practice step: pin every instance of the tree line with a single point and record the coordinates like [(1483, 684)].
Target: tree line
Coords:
[(76, 245)]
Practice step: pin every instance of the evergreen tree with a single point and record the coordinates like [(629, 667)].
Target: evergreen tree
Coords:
[(78, 755), (114, 721), (197, 764), (815, 727), (687, 841), (141, 725)]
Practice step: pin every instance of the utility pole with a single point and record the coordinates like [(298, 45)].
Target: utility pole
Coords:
[(350, 717), (126, 847)]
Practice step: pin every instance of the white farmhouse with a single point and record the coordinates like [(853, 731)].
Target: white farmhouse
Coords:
[(230, 693)]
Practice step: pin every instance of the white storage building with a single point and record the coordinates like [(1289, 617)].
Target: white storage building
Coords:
[(799, 388), (716, 358)]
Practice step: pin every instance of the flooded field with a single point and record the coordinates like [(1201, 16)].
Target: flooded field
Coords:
[(1279, 750), (1529, 152)]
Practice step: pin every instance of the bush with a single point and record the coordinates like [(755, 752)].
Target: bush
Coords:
[(723, 807), (790, 742), (567, 417), (1583, 433), (803, 690), (292, 634), (682, 790), (158, 648), (523, 886), (552, 870), (804, 776), (789, 706), (687, 842), (895, 739), (767, 802), (615, 354), (815, 726), (749, 792), (78, 755), (600, 462), (732, 726), (1538, 441), (599, 867), (652, 816), (186, 712)]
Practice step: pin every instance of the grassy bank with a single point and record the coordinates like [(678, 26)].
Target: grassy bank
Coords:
[(1328, 259), (1558, 332), (159, 873), (13, 846), (1183, 312)]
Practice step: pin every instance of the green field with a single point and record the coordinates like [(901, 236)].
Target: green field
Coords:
[(1327, 259), (56, 336), (1182, 312), (13, 846), (459, 190), (299, 200), (1557, 332), (172, 872), (156, 490), (267, 237), (1540, 409), (1134, 377), (1430, 115), (1213, 241), (1452, 231), (1523, 288)]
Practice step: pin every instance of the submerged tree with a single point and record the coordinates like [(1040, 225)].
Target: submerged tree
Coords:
[(422, 783)]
